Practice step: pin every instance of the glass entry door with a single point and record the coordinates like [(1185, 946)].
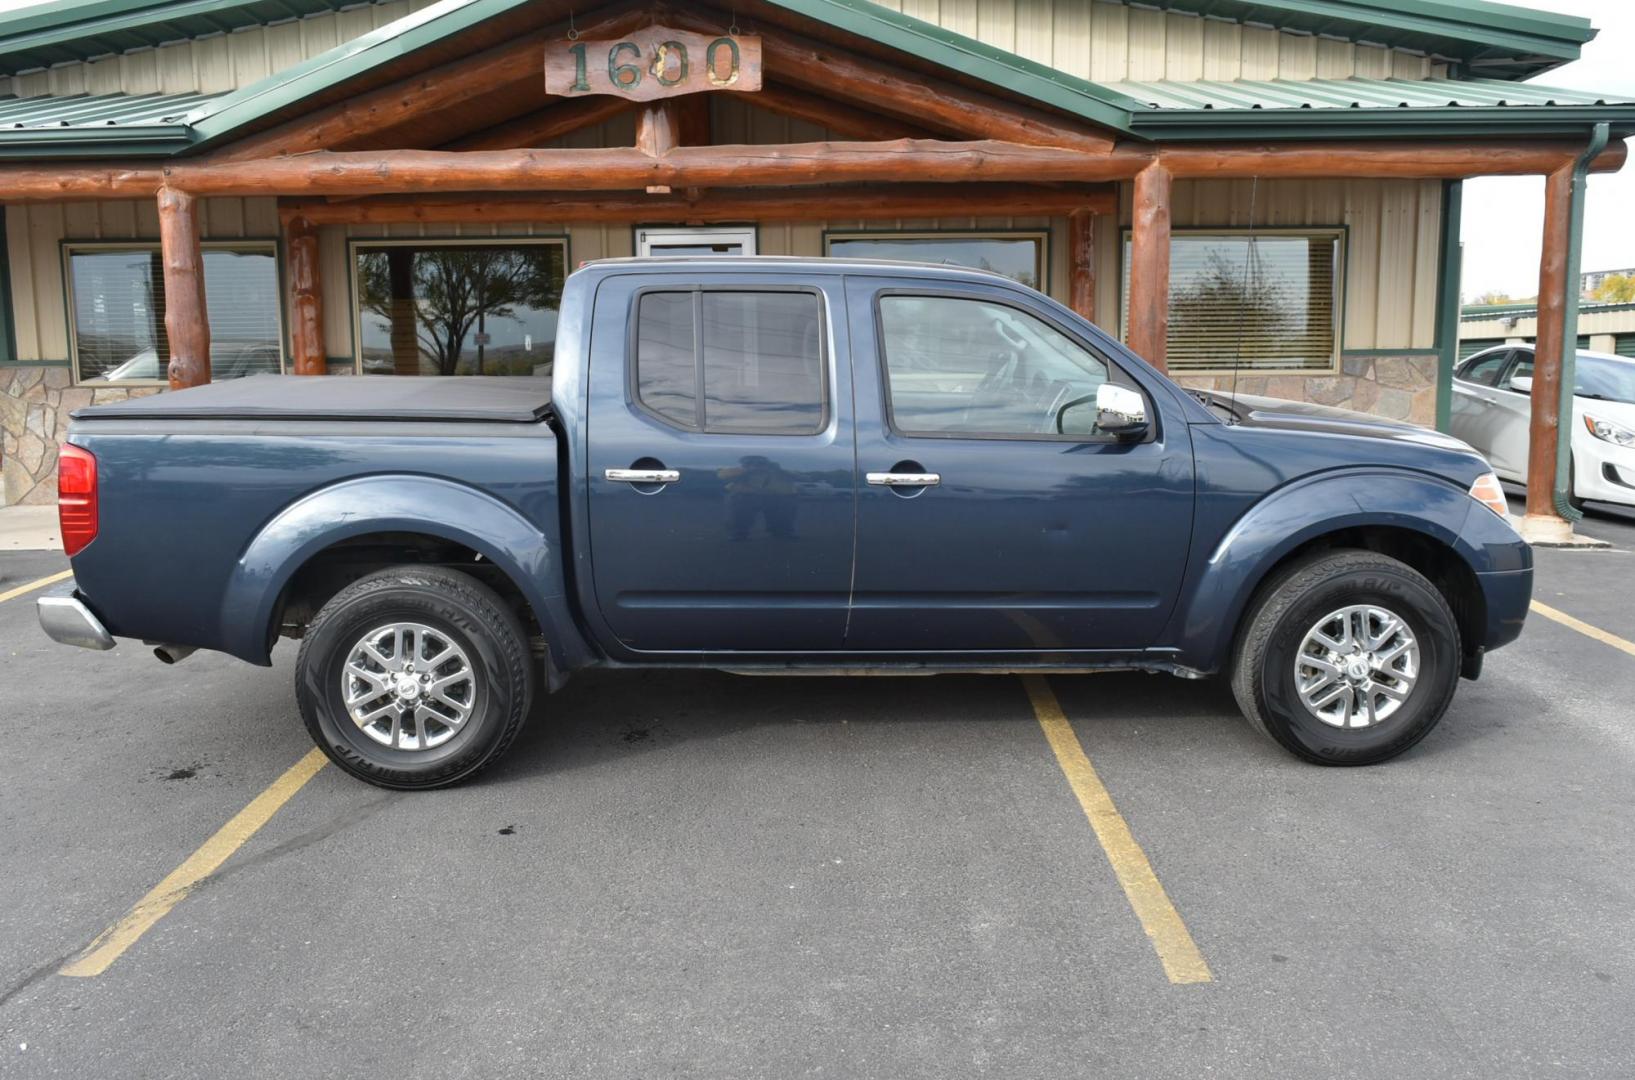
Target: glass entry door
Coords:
[(727, 240)]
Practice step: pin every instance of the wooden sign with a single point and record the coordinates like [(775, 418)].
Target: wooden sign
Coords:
[(653, 63)]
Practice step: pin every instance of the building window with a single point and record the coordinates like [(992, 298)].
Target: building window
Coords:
[(1266, 301), (1020, 256), (117, 311), (479, 307), (732, 361)]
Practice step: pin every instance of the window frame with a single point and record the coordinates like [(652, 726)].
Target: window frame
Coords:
[(748, 236), (355, 242), (1042, 235), (1342, 254), (1116, 375), (255, 245), (632, 358)]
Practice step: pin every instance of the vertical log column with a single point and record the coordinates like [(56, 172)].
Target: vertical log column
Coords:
[(306, 299), (1541, 517), (658, 129), (187, 323), (1148, 335), (1081, 255)]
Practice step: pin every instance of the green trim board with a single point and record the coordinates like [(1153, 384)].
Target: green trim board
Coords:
[(1449, 277)]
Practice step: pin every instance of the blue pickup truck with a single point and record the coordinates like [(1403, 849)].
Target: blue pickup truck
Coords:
[(787, 465)]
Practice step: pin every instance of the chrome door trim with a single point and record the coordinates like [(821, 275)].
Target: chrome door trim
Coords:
[(643, 476), (903, 479)]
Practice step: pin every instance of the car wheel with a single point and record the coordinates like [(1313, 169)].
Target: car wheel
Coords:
[(1347, 658), (414, 677)]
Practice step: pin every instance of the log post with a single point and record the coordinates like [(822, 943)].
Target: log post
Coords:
[(1081, 255), (187, 322), (1542, 522), (1148, 335), (658, 131), (306, 298), (404, 311)]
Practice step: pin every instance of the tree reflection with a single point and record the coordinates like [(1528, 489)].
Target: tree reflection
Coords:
[(445, 294)]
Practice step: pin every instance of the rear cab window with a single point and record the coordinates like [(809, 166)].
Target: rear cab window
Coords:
[(732, 361)]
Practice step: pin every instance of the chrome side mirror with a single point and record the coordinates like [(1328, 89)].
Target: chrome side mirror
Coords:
[(1120, 411)]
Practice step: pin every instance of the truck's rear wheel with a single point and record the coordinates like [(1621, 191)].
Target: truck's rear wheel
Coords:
[(414, 677), (1348, 658)]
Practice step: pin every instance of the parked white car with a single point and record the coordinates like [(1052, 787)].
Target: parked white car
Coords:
[(1492, 404)]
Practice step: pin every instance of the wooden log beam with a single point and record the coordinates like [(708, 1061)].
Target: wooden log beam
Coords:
[(538, 128), (833, 116), (920, 99), (306, 297), (1081, 261), (802, 204), (1148, 335), (187, 321), (389, 172), (1547, 355), (399, 106)]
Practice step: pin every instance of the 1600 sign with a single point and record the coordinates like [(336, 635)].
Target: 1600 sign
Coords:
[(654, 63)]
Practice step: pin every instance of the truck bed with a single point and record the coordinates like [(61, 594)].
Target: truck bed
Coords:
[(478, 398)]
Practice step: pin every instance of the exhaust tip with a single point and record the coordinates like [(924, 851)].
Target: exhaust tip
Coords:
[(173, 654)]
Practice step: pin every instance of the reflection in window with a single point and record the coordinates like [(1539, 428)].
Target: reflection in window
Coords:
[(1263, 302), (1018, 256), (119, 312), (971, 367), (761, 367), (459, 309)]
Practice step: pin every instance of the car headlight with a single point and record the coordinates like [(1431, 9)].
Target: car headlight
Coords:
[(1609, 432), (1487, 491)]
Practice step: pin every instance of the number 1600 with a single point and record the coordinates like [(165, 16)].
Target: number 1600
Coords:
[(668, 67)]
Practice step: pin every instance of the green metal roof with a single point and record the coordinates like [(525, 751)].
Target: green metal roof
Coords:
[(1160, 111), (64, 30), (98, 123), (1359, 107), (1491, 38)]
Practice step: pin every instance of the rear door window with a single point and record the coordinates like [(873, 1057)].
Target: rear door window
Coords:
[(1485, 370), (722, 361)]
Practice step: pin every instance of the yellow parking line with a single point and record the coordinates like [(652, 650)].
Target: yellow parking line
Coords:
[(1585, 628), (12, 594), (112, 942), (1182, 961)]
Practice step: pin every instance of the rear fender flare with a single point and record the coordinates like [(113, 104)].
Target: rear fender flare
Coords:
[(393, 503), (1292, 516)]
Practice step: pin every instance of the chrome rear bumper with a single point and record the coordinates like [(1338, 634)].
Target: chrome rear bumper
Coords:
[(66, 620)]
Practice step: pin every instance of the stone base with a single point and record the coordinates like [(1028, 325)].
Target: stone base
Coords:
[(1396, 387), (1547, 530), (34, 405)]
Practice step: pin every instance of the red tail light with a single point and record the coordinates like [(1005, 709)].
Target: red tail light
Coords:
[(76, 497)]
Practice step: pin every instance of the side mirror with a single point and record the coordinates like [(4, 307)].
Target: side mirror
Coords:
[(1120, 411), (1522, 384)]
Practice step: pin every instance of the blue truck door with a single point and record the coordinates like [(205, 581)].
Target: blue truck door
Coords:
[(1022, 537), (721, 462)]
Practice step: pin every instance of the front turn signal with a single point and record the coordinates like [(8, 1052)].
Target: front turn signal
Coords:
[(1490, 493)]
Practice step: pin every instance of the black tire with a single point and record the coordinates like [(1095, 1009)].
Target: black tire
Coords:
[(455, 605), (1263, 670)]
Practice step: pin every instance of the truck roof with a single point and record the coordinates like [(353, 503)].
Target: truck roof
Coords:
[(790, 264)]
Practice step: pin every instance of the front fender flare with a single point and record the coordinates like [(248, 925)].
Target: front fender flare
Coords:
[(1219, 589), (392, 503)]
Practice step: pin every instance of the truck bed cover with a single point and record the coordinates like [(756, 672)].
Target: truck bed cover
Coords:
[(480, 398)]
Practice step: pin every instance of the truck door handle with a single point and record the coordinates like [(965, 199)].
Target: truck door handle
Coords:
[(904, 479), (644, 476)]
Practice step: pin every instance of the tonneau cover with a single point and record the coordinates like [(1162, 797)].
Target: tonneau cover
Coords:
[(483, 398)]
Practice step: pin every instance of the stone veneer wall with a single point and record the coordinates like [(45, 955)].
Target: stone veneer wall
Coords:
[(34, 407), (1398, 387)]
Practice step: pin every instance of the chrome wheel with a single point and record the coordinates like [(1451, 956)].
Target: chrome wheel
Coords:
[(408, 686), (1357, 666)]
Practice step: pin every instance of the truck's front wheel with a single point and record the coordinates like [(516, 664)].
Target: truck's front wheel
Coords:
[(1348, 658), (414, 677)]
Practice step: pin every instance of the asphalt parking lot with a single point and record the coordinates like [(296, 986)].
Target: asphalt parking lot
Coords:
[(697, 875)]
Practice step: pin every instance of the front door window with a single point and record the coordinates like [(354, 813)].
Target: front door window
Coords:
[(441, 308)]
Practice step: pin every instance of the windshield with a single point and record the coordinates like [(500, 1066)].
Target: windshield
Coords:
[(1609, 380)]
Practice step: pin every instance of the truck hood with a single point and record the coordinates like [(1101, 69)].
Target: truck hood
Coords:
[(1251, 410)]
